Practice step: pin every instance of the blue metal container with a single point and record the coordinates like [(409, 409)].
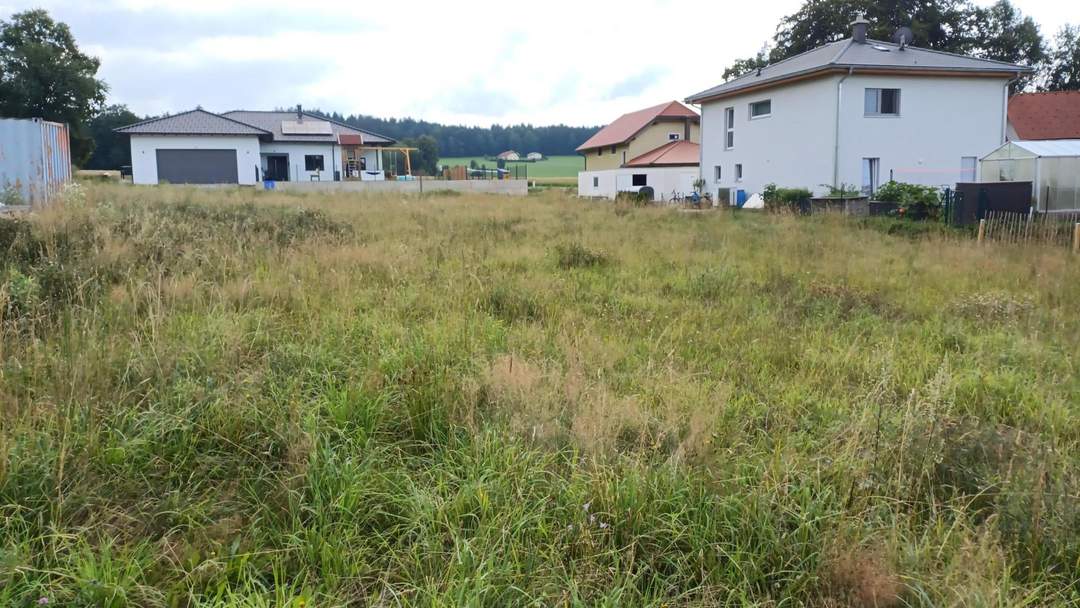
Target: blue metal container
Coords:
[(35, 158)]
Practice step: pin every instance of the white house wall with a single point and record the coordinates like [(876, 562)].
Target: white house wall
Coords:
[(663, 180), (791, 148), (144, 153), (941, 120), (331, 154)]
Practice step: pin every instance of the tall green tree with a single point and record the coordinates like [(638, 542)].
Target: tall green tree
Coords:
[(1063, 70), (44, 74), (111, 149), (1000, 31)]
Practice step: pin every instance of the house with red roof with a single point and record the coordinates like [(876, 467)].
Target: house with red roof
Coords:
[(658, 147), (1039, 116)]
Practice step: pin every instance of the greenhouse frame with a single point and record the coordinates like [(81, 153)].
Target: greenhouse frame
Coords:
[(1051, 165)]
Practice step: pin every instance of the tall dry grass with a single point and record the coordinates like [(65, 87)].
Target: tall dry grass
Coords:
[(221, 397)]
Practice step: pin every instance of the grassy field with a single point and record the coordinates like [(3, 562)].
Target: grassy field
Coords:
[(553, 166), (240, 398)]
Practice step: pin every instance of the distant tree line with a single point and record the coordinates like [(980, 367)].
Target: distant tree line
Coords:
[(458, 140), (999, 31)]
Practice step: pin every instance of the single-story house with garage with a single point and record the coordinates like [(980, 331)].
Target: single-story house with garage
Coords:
[(249, 147), (656, 147)]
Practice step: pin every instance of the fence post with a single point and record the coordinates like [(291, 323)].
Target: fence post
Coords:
[(982, 230), (1076, 238)]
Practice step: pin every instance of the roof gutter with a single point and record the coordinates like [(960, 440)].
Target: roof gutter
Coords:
[(836, 146)]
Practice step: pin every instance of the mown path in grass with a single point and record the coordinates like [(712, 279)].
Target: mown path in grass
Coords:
[(240, 398)]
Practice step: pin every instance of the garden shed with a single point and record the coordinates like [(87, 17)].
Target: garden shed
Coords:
[(1051, 165)]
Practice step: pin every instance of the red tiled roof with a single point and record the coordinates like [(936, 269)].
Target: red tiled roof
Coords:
[(629, 125), (670, 154), (1046, 115)]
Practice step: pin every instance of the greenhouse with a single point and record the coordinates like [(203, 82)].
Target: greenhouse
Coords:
[(1052, 167)]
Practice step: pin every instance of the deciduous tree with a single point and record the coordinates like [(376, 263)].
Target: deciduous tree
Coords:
[(44, 74)]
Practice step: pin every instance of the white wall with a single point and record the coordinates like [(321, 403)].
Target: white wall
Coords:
[(941, 120), (144, 155), (330, 152), (509, 187), (792, 147), (663, 180)]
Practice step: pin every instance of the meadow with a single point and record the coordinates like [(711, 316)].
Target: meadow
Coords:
[(550, 167), (240, 398)]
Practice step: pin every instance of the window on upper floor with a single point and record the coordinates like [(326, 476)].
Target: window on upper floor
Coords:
[(612, 149), (729, 128), (674, 136), (882, 102), (761, 109)]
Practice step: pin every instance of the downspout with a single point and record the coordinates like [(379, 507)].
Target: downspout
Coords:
[(836, 146), (1005, 108)]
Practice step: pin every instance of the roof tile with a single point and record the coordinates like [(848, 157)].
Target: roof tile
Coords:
[(1046, 115)]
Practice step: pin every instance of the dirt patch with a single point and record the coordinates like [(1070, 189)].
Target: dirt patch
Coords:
[(861, 578)]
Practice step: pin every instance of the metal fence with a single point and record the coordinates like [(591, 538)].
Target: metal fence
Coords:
[(483, 172)]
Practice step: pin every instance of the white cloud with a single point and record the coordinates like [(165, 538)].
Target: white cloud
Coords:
[(575, 62)]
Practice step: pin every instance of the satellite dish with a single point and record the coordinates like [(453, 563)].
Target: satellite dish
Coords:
[(903, 36)]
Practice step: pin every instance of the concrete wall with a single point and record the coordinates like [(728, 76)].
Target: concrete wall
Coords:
[(942, 119), (511, 187), (663, 180), (144, 153), (331, 154)]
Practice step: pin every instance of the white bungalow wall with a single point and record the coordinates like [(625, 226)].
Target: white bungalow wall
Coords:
[(144, 153), (331, 154)]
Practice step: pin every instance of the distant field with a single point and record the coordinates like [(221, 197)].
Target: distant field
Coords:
[(554, 166)]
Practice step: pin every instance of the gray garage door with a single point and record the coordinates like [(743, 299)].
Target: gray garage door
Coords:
[(197, 166)]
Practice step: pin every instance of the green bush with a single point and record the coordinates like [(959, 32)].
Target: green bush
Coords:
[(784, 198), (916, 202)]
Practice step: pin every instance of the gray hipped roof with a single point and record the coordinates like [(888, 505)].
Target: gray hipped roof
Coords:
[(872, 54), (271, 121), (246, 122), (193, 122)]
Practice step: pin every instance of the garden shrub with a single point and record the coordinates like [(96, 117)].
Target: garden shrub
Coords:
[(777, 198), (916, 202)]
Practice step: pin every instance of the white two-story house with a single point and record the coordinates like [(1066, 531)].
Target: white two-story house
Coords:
[(854, 113)]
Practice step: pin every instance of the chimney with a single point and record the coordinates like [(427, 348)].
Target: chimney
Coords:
[(858, 28), (299, 113)]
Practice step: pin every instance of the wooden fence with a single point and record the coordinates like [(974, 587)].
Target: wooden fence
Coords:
[(1062, 229)]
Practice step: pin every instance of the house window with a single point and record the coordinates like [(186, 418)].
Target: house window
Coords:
[(596, 182), (967, 168), (738, 172), (313, 162), (719, 173), (612, 149), (624, 157), (640, 179), (674, 136), (761, 109), (871, 170), (882, 102), (599, 151), (729, 128)]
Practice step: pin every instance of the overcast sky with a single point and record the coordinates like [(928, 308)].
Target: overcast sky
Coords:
[(580, 62)]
